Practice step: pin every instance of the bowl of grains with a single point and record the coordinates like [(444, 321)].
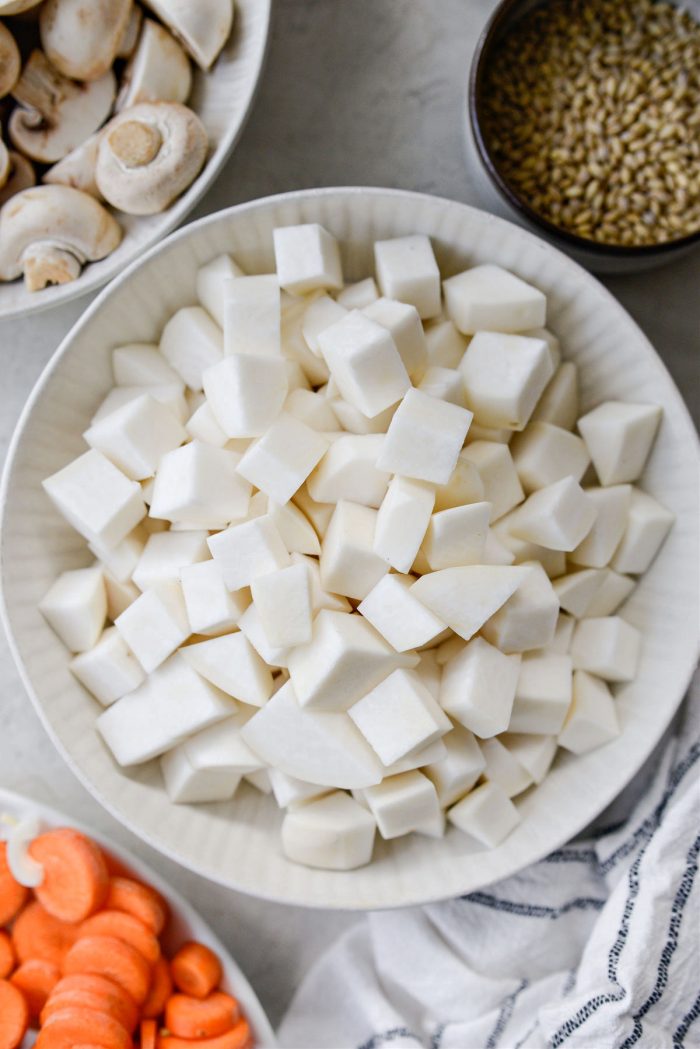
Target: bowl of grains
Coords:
[(586, 117)]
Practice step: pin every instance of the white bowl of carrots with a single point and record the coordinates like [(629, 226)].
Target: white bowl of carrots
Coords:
[(100, 953)]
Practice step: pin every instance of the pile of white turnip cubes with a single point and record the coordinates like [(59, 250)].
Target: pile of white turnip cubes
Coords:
[(350, 548)]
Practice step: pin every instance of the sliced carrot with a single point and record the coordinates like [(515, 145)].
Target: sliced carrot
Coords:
[(74, 1025), (160, 990), (36, 979), (76, 881), (142, 901), (149, 1034), (196, 970), (124, 927), (13, 896), (118, 961), (14, 1016), (237, 1038), (90, 988), (8, 958), (86, 1000), (37, 934), (208, 1017)]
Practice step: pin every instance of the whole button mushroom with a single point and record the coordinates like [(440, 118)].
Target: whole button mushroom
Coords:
[(49, 232), (10, 61), (55, 114), (77, 168), (81, 37), (159, 71), (203, 27), (16, 7), (21, 176), (148, 155)]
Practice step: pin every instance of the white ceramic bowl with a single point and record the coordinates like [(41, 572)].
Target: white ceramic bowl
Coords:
[(185, 923), (223, 99), (238, 843)]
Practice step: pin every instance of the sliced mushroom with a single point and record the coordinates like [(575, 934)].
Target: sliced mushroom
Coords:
[(77, 169), (56, 114), (10, 61), (15, 7), (130, 36), (5, 163), (159, 71), (148, 155), (49, 232), (22, 176), (81, 37), (203, 27)]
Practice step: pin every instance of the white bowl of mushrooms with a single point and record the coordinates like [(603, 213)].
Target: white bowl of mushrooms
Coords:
[(117, 117)]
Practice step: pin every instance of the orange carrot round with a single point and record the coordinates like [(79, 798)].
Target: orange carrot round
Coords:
[(89, 989), (118, 961), (237, 1038), (160, 990), (37, 934), (189, 1017), (149, 1034), (14, 1016), (74, 1025), (124, 927), (13, 896), (196, 970), (36, 979), (76, 881), (8, 958), (125, 894)]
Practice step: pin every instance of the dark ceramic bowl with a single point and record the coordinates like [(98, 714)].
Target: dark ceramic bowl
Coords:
[(600, 257)]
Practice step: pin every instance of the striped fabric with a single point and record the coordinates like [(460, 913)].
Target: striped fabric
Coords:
[(597, 946)]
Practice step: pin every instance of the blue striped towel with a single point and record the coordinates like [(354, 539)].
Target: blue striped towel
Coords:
[(595, 947)]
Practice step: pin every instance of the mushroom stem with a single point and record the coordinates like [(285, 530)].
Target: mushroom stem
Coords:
[(46, 262), (41, 87)]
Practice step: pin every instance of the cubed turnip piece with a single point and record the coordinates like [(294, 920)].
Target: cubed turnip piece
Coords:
[(489, 298), (320, 314), (211, 281), (478, 687), (614, 589), (191, 342), (558, 404), (335, 833), (108, 670), (246, 393), (248, 550), (349, 564), (559, 516), (445, 344), (457, 536), (357, 296), (457, 772), (297, 533), (612, 507), (209, 765), (648, 524), (529, 618), (75, 607), (251, 627), (534, 753), (543, 454), (202, 426), (465, 598), (542, 694), (503, 768), (349, 471), (486, 814), (424, 438), (355, 422), (166, 553), (306, 258), (402, 522), (211, 607), (252, 316), (398, 615), (407, 271), (504, 376), (402, 322), (96, 499), (142, 364), (231, 663), (312, 409), (155, 624), (592, 718), (364, 362), (319, 514), (446, 384), (404, 803), (283, 601), (399, 716), (464, 486), (608, 647), (119, 595), (291, 792), (279, 462), (619, 437), (552, 561), (198, 484), (501, 485), (576, 590), (170, 395)]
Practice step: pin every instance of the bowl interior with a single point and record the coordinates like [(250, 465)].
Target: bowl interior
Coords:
[(237, 843), (185, 923), (222, 98)]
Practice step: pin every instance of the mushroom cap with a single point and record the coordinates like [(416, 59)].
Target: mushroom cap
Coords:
[(5, 164), (81, 37), (77, 168), (148, 155), (130, 36), (50, 231), (203, 26), (56, 114), (16, 7), (10, 61), (159, 71), (22, 176)]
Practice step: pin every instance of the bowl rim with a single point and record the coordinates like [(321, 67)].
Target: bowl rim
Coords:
[(14, 801), (174, 216), (475, 90), (229, 881)]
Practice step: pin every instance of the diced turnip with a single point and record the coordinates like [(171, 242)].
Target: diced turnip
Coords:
[(592, 718), (211, 607), (355, 422), (364, 362), (619, 437), (559, 516), (290, 792), (170, 395), (543, 694), (320, 314), (231, 663), (495, 551), (445, 344), (313, 409), (191, 342), (534, 753), (349, 471), (165, 553), (208, 766), (648, 524), (504, 376), (399, 716), (486, 814), (334, 832), (613, 590), (199, 485), (563, 633), (457, 772), (558, 404), (503, 768), (246, 393), (407, 271), (576, 590), (543, 454), (612, 508), (251, 627), (119, 595), (424, 438), (142, 364), (252, 316), (202, 426), (397, 614), (430, 672), (211, 281), (465, 598), (320, 598), (108, 670), (402, 522), (404, 325), (349, 564), (318, 513), (446, 384), (307, 257), (246, 551), (404, 803), (552, 561), (357, 296), (297, 533), (528, 619), (279, 462), (283, 601), (155, 624), (499, 477), (608, 647), (464, 486), (75, 607), (478, 687), (172, 703), (489, 298), (457, 536)]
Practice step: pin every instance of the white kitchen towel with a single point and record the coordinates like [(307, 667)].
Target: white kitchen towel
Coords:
[(597, 946)]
